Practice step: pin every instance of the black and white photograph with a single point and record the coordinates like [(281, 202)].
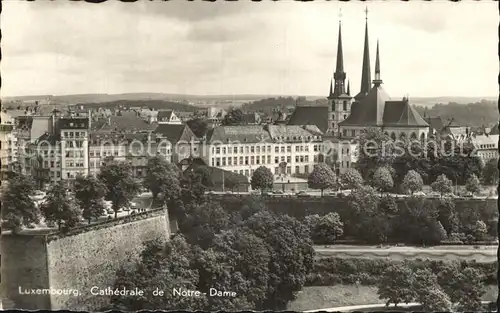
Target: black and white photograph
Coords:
[(338, 156)]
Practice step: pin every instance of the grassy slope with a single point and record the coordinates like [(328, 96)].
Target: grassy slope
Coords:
[(322, 297)]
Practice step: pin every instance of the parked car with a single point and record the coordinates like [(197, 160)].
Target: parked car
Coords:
[(303, 194), (278, 192)]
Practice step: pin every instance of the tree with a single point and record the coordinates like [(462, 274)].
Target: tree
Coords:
[(291, 252), (18, 209), (442, 185), (413, 181), (237, 261), (480, 231), (447, 215), (233, 117), (164, 266), (396, 285), (428, 292), (376, 149), (325, 229), (117, 178), (322, 177), (490, 172), (473, 185), (469, 290), (262, 179), (199, 126), (162, 178), (382, 179), (351, 179), (203, 222), (60, 207), (89, 192)]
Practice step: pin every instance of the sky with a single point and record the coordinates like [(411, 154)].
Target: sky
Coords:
[(427, 49)]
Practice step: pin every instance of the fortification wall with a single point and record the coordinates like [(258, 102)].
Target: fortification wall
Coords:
[(78, 261)]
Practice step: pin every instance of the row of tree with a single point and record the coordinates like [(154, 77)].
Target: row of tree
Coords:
[(456, 288), (457, 160)]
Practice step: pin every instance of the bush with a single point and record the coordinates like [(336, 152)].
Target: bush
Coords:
[(331, 271)]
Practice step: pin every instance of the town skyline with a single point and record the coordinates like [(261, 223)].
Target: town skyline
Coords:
[(293, 58)]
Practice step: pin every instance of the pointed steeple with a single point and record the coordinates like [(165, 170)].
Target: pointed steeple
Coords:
[(348, 88), (377, 81), (340, 54), (339, 75), (330, 94), (365, 72)]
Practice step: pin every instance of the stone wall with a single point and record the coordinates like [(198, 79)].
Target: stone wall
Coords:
[(77, 261)]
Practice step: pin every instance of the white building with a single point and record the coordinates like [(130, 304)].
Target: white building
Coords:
[(486, 146), (8, 145), (284, 149)]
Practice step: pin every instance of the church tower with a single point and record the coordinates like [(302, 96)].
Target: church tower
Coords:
[(365, 72), (339, 100)]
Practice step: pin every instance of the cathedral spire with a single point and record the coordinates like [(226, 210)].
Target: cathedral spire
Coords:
[(348, 88), (339, 75), (365, 72), (377, 81), (331, 89)]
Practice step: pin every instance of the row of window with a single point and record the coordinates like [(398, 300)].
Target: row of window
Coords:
[(259, 149), (252, 160), (488, 146), (70, 164), (74, 144), (74, 134)]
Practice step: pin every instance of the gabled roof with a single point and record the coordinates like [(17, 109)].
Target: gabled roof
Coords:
[(408, 116), (216, 174), (127, 122), (165, 115), (377, 109), (310, 115), (175, 132), (240, 133)]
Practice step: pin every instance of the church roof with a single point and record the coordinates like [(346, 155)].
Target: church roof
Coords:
[(377, 109), (310, 115)]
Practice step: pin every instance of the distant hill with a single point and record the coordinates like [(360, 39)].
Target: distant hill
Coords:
[(476, 114), (154, 104)]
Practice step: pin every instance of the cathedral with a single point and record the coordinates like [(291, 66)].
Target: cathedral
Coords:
[(371, 107)]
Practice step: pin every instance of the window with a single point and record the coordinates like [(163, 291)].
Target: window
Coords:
[(297, 148), (246, 172), (282, 149), (306, 158), (289, 149), (297, 169), (71, 134), (241, 149), (224, 150), (217, 162), (315, 159), (276, 149), (301, 159), (289, 170), (306, 169), (268, 159), (246, 160), (235, 160), (213, 150), (307, 148), (268, 148), (288, 159), (246, 149), (257, 159), (235, 150), (241, 160), (51, 163), (217, 150), (252, 149), (282, 159), (276, 171), (315, 148), (252, 160), (65, 134), (344, 132), (353, 132), (276, 160), (258, 149), (251, 172)]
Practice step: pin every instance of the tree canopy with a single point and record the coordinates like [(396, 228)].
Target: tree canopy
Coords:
[(322, 177)]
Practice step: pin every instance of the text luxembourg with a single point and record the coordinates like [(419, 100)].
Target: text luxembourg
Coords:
[(96, 291)]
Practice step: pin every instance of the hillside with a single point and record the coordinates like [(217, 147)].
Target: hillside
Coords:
[(472, 114), (154, 104), (269, 104)]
